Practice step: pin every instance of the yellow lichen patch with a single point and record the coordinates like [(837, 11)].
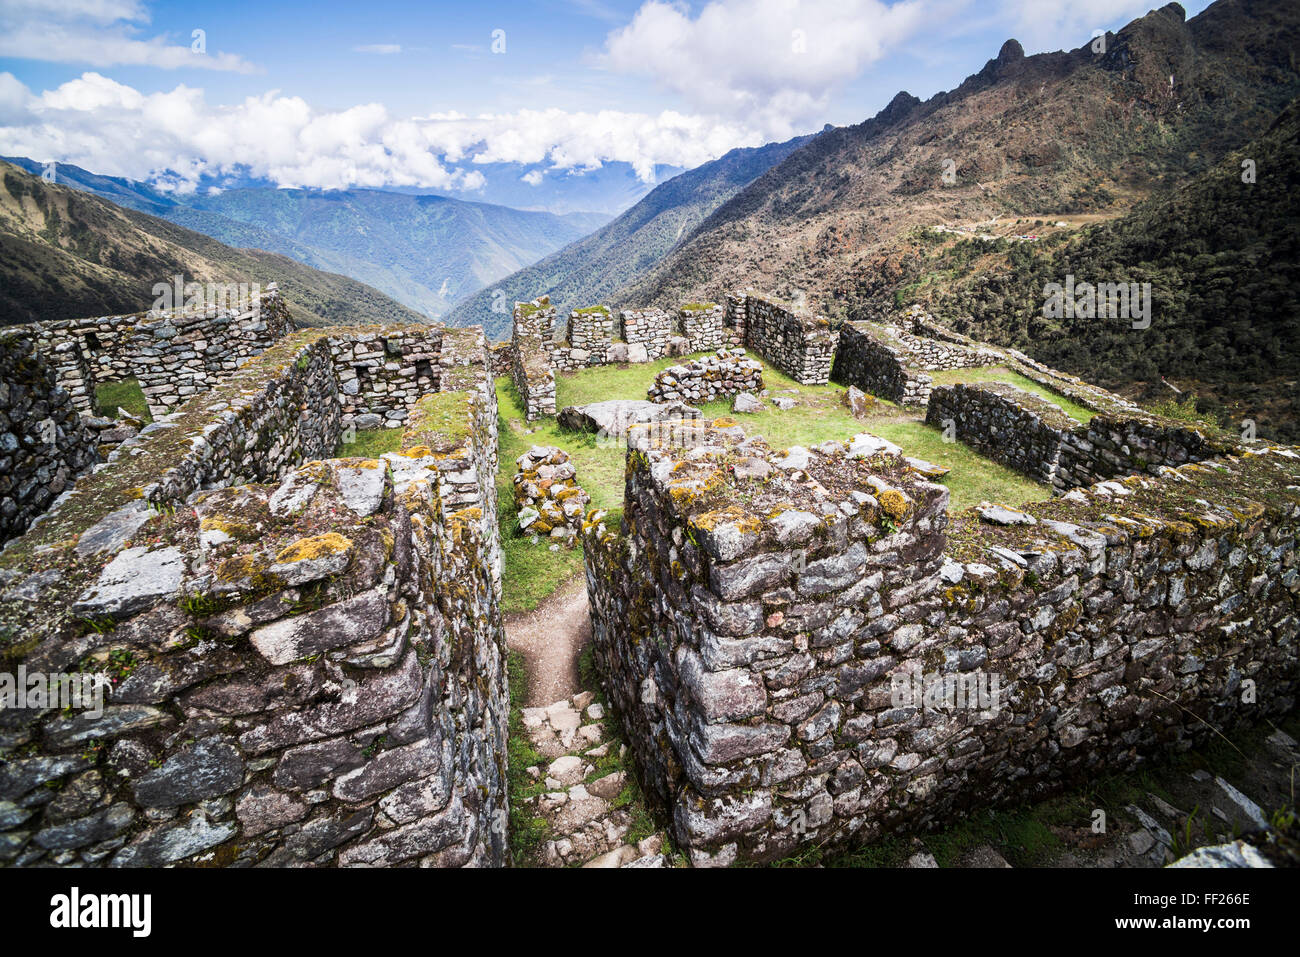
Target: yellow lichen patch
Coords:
[(724, 422), (731, 515), (241, 567), (893, 503), (1205, 520), (416, 452), (684, 494), (215, 523), (316, 471), (1248, 512), (317, 546)]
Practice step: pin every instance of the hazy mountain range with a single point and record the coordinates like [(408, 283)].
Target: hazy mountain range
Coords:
[(66, 253), (425, 251), (593, 269)]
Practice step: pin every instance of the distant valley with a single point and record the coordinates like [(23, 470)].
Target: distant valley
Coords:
[(425, 251), (65, 253)]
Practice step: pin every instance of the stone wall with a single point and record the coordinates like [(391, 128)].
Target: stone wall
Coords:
[(532, 372), (803, 347), (727, 372), (649, 329), (1071, 387), (877, 366), (550, 501), (589, 335), (382, 370), (173, 355), (703, 326), (1004, 423), (502, 354), (306, 672), (44, 445), (735, 317), (759, 622), (1034, 436)]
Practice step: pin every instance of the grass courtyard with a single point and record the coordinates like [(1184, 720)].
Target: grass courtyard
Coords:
[(532, 572)]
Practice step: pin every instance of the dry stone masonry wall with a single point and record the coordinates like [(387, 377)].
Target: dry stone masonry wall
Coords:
[(550, 500), (869, 361), (44, 445), (173, 355), (803, 347), (1034, 436), (304, 668), (804, 652), (703, 326), (646, 332), (382, 370), (727, 372), (531, 370)]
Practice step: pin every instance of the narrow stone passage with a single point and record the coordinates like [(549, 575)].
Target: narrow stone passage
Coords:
[(550, 638)]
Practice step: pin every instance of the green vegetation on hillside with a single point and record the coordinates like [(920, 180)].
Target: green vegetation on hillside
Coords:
[(591, 269), (1222, 257)]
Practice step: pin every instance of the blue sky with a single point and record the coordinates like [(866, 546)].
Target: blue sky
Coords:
[(397, 93)]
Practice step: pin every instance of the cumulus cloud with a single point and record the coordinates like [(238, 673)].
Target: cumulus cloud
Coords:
[(772, 61), (101, 33), (1067, 24), (176, 138)]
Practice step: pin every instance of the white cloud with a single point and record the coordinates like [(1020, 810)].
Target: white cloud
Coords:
[(176, 137), (774, 62), (383, 49), (1068, 24), (101, 33), (533, 177)]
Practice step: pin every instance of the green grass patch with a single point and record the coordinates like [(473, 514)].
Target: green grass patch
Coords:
[(371, 444), (973, 478), (527, 833), (126, 395), (532, 572), (1003, 374), (441, 417)]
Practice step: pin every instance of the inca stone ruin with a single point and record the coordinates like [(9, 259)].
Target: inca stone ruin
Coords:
[(305, 656)]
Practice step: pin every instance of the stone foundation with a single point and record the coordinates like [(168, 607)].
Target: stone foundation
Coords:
[(762, 623), (305, 660), (703, 380), (44, 445)]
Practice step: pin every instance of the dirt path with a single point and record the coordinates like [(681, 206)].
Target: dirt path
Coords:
[(549, 638)]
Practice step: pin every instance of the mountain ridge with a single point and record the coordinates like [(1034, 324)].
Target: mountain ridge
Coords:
[(425, 250), (589, 270), (1070, 131), (66, 253)]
